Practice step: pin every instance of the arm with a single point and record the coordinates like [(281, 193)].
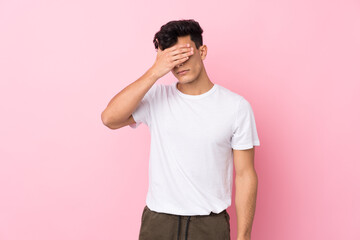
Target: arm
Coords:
[(118, 111), (246, 191)]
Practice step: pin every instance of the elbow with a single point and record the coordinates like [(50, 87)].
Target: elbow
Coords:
[(105, 118), (109, 121), (248, 173), (250, 179)]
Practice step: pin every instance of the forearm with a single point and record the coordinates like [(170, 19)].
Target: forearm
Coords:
[(122, 105), (245, 202)]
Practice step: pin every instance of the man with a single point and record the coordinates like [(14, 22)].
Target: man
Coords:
[(197, 129)]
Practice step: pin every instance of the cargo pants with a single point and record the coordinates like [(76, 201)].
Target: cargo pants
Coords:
[(164, 226)]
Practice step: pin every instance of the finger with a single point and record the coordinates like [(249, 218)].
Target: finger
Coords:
[(180, 53), (158, 48), (183, 51), (181, 60), (176, 47), (185, 55)]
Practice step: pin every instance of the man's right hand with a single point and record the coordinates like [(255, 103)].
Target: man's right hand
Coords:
[(166, 60)]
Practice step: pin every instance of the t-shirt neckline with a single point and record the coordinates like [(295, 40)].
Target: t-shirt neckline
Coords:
[(214, 87)]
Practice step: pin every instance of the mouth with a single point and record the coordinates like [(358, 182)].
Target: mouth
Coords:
[(183, 72)]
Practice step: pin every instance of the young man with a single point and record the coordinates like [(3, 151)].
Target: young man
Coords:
[(197, 129)]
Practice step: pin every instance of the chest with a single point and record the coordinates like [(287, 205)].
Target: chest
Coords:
[(195, 123)]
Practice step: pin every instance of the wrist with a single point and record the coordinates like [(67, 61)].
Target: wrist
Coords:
[(153, 74)]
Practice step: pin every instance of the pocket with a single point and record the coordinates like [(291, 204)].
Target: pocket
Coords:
[(227, 216)]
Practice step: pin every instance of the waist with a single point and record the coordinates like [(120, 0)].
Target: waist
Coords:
[(186, 216)]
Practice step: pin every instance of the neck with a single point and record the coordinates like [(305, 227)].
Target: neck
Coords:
[(198, 86)]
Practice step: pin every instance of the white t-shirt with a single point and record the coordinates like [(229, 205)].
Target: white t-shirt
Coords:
[(192, 137)]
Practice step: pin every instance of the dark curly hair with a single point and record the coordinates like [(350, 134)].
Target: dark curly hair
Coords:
[(169, 33)]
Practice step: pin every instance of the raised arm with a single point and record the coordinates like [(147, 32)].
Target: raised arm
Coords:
[(118, 112)]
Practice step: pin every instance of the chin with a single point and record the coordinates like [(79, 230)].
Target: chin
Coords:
[(185, 79)]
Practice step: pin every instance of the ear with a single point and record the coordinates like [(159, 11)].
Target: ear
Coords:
[(203, 51)]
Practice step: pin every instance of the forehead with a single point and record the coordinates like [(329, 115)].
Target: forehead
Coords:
[(184, 40)]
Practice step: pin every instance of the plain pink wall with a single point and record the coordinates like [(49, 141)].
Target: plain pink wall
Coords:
[(64, 175)]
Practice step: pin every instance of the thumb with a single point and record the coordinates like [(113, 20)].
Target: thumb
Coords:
[(158, 49)]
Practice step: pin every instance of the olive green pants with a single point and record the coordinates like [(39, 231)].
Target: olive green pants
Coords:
[(163, 226)]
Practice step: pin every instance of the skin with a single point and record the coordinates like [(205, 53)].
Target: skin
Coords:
[(246, 183), (118, 113), (196, 81)]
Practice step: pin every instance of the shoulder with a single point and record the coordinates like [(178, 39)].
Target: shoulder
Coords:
[(161, 90), (239, 104), (235, 98), (159, 87), (153, 91)]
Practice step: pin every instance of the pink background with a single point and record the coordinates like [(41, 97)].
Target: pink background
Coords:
[(64, 175)]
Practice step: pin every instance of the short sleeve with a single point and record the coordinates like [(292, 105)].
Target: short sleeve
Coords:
[(142, 112), (244, 130)]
